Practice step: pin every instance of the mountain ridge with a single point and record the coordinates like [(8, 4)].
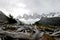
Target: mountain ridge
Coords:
[(55, 21)]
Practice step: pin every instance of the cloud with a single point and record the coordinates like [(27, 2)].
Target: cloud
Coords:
[(33, 16), (13, 7), (30, 6), (29, 21), (42, 6)]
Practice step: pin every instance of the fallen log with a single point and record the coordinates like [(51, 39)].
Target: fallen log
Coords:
[(55, 33), (15, 35)]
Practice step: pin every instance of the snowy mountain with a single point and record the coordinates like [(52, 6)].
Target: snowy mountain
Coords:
[(29, 19), (26, 16), (52, 14)]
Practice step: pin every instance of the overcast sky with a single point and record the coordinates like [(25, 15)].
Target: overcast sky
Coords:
[(19, 7)]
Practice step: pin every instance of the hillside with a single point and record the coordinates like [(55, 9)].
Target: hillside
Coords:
[(3, 17), (55, 21)]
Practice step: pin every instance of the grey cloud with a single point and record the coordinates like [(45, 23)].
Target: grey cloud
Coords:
[(42, 5), (38, 6)]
